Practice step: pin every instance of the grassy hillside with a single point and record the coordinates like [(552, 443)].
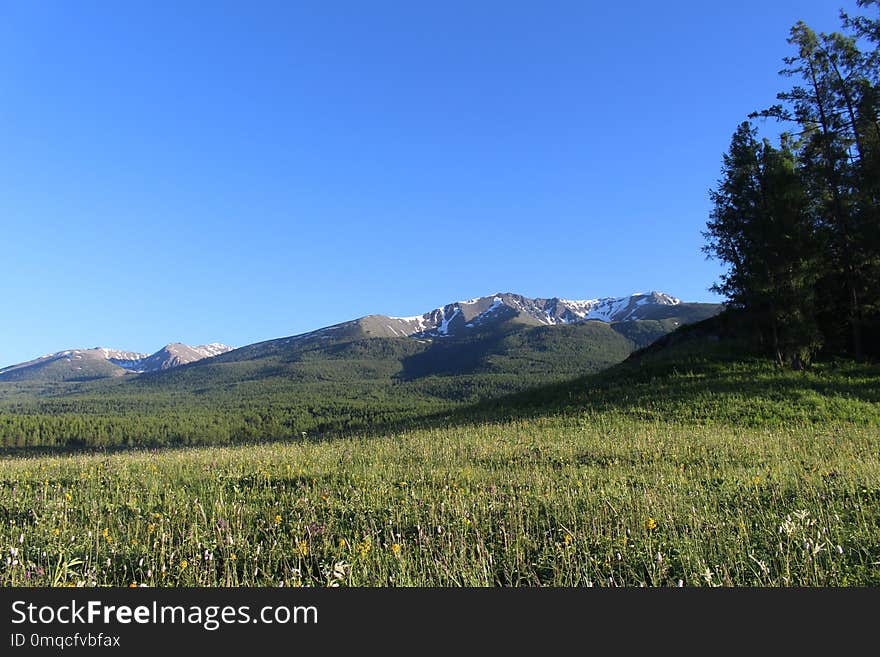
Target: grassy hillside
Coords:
[(704, 382), (694, 465)]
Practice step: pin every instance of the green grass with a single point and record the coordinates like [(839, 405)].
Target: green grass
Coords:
[(693, 469)]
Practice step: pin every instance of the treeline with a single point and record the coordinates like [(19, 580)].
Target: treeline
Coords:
[(261, 410), (196, 426), (798, 222)]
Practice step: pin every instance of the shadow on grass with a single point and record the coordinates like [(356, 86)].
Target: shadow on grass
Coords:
[(717, 385), (702, 381)]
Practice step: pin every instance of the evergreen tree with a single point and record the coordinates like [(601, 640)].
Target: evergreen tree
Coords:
[(834, 106), (799, 225), (761, 228)]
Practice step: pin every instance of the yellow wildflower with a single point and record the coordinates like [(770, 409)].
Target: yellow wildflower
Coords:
[(650, 524)]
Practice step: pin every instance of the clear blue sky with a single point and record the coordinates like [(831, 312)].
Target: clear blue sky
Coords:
[(170, 172)]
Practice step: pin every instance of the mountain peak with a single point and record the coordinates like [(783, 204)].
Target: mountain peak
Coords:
[(100, 362), (175, 354)]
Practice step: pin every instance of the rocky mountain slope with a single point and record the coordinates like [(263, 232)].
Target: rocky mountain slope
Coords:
[(100, 362)]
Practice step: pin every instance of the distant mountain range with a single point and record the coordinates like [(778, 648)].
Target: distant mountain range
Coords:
[(639, 318), (100, 362)]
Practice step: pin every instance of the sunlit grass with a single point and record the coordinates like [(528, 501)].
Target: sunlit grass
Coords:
[(588, 498)]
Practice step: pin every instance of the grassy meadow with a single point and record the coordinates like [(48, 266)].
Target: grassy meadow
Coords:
[(585, 493)]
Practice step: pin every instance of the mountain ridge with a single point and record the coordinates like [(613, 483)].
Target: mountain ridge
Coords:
[(453, 322), (101, 362)]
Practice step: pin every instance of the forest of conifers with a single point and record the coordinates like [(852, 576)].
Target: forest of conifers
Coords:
[(798, 221)]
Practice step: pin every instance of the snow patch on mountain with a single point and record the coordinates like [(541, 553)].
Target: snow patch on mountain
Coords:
[(443, 329), (133, 362), (481, 311), (212, 349)]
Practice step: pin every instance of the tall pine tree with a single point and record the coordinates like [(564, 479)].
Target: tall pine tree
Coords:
[(761, 228)]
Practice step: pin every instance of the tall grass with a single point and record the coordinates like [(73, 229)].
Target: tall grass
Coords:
[(589, 498)]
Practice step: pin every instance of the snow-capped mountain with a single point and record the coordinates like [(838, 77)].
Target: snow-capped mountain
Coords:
[(460, 316), (503, 311), (176, 354), (100, 362)]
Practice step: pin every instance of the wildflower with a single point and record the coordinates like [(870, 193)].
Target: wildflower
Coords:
[(340, 571), (365, 546), (650, 524), (395, 549), (184, 564), (707, 576), (277, 519), (68, 496), (567, 539), (302, 548), (232, 557)]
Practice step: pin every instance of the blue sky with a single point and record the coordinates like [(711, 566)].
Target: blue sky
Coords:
[(260, 169)]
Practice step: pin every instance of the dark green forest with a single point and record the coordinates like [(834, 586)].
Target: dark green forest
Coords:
[(798, 222)]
